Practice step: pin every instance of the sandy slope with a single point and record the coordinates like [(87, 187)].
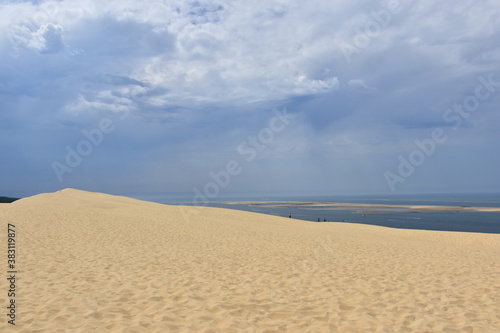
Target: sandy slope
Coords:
[(91, 262)]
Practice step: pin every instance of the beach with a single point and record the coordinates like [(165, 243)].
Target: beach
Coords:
[(92, 262)]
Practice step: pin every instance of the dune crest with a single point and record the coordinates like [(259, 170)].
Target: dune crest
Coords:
[(97, 262)]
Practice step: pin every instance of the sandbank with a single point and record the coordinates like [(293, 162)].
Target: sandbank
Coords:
[(367, 207)]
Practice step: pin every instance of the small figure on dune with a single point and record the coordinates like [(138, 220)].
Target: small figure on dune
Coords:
[(290, 215), (319, 220), (324, 220)]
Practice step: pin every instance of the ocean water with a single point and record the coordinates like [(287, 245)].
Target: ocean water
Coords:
[(483, 222)]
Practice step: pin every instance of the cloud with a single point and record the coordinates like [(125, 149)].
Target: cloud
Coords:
[(46, 40), (358, 83), (197, 78), (107, 36), (49, 39)]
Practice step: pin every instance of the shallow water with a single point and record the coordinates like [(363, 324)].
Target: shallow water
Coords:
[(485, 222)]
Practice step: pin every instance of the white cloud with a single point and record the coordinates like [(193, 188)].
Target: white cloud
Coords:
[(48, 39), (196, 53), (104, 101), (210, 66)]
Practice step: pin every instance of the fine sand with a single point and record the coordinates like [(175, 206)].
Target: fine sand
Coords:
[(90, 262)]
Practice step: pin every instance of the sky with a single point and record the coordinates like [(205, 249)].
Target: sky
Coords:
[(276, 97)]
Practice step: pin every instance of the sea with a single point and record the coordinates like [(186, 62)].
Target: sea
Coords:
[(481, 222)]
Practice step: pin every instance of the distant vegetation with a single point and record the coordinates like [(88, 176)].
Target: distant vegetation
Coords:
[(7, 199)]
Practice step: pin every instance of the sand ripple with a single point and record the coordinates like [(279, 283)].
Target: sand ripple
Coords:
[(94, 263)]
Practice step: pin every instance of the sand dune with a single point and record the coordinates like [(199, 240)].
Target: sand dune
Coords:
[(91, 262)]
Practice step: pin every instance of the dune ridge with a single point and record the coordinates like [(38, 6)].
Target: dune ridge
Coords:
[(91, 262)]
